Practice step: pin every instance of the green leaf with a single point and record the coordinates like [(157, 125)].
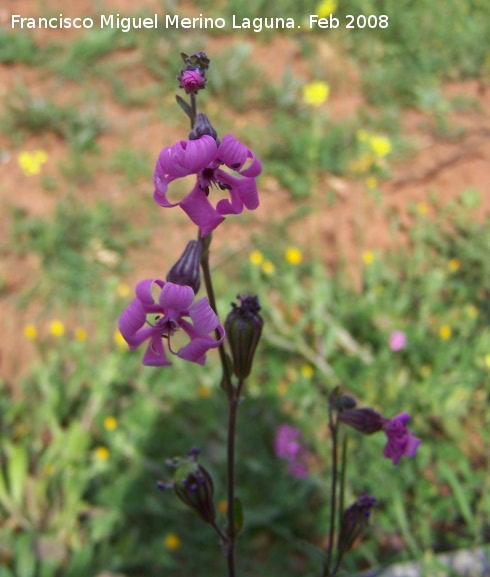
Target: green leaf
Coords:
[(17, 472), (238, 515), (183, 104)]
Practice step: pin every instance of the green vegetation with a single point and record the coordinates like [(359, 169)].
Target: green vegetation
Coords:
[(85, 433)]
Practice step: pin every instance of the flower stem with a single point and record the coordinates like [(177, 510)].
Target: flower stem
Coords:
[(333, 493), (233, 393)]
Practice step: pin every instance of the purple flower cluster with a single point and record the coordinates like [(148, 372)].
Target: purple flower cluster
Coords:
[(204, 157), (287, 446), (401, 443), (156, 320)]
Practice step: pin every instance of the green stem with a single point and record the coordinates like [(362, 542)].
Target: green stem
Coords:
[(233, 401), (333, 493)]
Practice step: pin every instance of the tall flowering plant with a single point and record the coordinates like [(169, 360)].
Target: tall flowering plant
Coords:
[(225, 184)]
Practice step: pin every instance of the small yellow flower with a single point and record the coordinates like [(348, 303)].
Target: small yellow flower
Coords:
[(256, 257), (307, 371), (268, 268), (57, 328), (471, 311), (316, 93), (282, 387), (172, 542), (445, 332), (31, 162), (30, 332), (368, 257), (371, 182), (122, 345), (294, 255), (204, 392), (222, 506), (487, 361), (81, 334), (453, 265), (123, 290), (325, 8), (380, 145), (110, 423), (101, 453), (422, 208)]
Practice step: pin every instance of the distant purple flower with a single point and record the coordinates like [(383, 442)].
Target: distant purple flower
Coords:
[(287, 446), (398, 340), (174, 302), (191, 80), (204, 157), (400, 441)]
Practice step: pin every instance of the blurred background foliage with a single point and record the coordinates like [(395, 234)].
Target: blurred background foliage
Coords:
[(86, 430)]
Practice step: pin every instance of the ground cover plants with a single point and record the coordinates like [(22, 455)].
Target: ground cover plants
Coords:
[(86, 430)]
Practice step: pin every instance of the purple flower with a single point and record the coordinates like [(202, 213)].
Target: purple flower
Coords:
[(174, 302), (191, 81), (398, 340), (400, 441), (204, 157), (287, 446)]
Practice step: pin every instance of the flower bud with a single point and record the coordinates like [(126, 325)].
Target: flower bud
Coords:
[(191, 81), (243, 328), (194, 486), (354, 521), (202, 126), (186, 271), (367, 421)]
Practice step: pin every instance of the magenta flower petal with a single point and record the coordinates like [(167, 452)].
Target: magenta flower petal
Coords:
[(176, 297), (157, 321), (400, 441), (243, 192), (203, 317), (155, 355), (234, 154), (198, 208)]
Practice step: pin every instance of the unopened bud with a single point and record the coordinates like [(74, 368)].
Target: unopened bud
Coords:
[(354, 521), (202, 126), (186, 271), (194, 486), (367, 421), (191, 81), (243, 328)]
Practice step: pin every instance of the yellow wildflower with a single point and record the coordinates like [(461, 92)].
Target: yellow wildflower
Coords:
[(122, 345), (172, 542), (110, 423), (371, 182), (445, 332), (268, 268), (325, 8), (101, 453), (380, 145), (453, 265), (256, 257), (30, 332), (316, 93), (294, 255), (368, 257), (81, 334), (57, 328), (307, 371), (487, 361), (422, 208), (282, 387), (31, 162), (204, 392), (123, 290)]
